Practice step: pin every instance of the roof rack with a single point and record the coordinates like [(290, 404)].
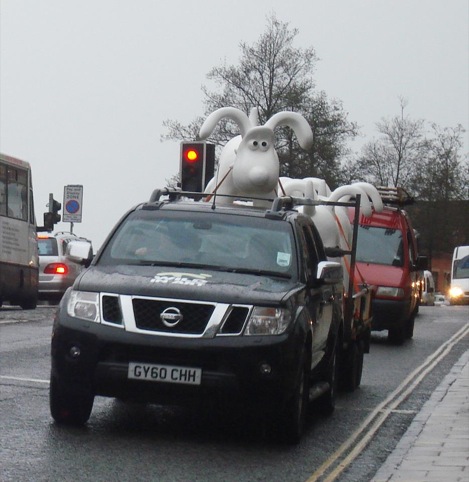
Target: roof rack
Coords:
[(395, 195), (289, 202), (177, 193), (278, 203)]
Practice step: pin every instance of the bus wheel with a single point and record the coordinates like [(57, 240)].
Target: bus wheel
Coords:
[(29, 303)]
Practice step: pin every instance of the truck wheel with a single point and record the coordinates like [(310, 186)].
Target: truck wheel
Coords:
[(326, 403), (69, 407), (293, 418), (361, 354), (351, 368)]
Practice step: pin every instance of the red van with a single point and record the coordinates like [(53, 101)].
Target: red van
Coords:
[(388, 259)]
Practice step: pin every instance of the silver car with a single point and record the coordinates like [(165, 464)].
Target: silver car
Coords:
[(57, 270)]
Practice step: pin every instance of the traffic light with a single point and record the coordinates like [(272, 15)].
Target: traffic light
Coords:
[(52, 217), (197, 165)]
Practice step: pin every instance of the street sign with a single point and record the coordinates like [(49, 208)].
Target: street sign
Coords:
[(73, 203)]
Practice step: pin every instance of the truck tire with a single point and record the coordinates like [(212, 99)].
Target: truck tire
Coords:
[(292, 420), (69, 407), (351, 368), (326, 403)]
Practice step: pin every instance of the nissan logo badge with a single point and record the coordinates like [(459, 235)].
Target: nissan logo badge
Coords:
[(171, 317)]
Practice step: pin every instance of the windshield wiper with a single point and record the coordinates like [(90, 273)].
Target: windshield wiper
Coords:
[(228, 269), (257, 272), (184, 264)]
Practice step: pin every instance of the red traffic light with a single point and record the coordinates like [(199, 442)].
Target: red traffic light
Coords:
[(191, 155), (196, 166)]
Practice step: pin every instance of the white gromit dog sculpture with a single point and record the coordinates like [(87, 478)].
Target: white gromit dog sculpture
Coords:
[(249, 167), (249, 164), (333, 222)]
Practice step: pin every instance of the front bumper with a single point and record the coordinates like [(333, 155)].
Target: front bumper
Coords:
[(389, 313), (460, 300), (231, 365)]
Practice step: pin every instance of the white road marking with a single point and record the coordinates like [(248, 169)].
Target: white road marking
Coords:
[(20, 379)]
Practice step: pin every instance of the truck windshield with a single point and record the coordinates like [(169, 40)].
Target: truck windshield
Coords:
[(380, 246), (232, 243)]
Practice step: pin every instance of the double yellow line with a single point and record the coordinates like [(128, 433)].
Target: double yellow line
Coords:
[(354, 445)]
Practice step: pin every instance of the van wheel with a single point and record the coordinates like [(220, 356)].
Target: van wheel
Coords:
[(396, 335), (67, 406), (410, 326)]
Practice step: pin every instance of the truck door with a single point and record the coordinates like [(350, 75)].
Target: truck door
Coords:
[(319, 299)]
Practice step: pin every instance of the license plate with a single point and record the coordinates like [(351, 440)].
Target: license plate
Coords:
[(164, 373)]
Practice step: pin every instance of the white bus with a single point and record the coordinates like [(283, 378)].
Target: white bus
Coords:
[(19, 259), (459, 290)]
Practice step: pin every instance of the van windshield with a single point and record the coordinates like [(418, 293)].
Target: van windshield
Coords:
[(380, 246), (231, 243)]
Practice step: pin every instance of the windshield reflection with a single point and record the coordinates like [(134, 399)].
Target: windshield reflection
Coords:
[(239, 245), (380, 246)]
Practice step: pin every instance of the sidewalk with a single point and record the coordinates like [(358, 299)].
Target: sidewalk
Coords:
[(436, 445)]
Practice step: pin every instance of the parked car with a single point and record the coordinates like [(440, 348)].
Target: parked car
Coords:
[(440, 299), (57, 269), (428, 293)]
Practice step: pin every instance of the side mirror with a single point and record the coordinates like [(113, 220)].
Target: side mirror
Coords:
[(330, 272), (80, 252)]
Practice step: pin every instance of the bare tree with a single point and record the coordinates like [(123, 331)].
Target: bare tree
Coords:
[(393, 159), (443, 174), (274, 75)]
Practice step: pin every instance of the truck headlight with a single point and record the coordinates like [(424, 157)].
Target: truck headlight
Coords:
[(84, 305), (455, 292), (390, 292), (268, 321)]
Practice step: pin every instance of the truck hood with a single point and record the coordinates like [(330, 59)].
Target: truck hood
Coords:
[(186, 283), (381, 275)]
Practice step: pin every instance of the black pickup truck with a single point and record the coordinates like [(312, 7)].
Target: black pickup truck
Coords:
[(188, 301)]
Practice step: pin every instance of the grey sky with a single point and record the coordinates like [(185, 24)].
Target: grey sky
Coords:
[(86, 85)]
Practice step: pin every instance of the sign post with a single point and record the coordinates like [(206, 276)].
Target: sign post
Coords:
[(72, 205)]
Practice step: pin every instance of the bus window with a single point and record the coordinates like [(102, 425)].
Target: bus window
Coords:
[(3, 190), (17, 191)]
